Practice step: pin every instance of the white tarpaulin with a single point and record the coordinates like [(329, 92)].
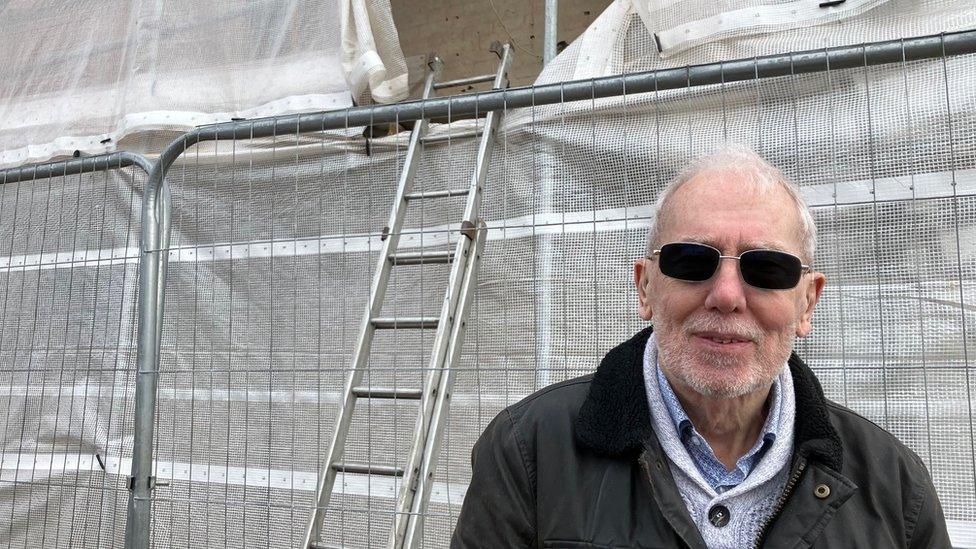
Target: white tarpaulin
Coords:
[(83, 75), (273, 248), (686, 32)]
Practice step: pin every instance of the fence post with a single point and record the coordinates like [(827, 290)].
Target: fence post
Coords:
[(153, 251)]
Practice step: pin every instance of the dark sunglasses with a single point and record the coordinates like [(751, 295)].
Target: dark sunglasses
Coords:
[(766, 269)]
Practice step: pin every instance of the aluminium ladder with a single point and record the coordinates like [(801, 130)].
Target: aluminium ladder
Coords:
[(434, 397)]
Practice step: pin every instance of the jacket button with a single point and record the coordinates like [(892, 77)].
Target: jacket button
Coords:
[(821, 491), (719, 516)]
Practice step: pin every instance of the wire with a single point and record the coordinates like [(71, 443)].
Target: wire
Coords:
[(511, 38)]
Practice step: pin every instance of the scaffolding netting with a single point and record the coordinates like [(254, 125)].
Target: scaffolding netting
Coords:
[(275, 241)]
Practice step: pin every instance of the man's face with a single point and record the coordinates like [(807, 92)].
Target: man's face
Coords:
[(722, 337)]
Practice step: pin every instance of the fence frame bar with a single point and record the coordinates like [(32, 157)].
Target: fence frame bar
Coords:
[(75, 166), (156, 203)]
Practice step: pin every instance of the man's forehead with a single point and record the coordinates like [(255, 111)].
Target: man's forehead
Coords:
[(717, 207), (741, 183)]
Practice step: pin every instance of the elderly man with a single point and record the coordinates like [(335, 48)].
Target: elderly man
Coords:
[(707, 432)]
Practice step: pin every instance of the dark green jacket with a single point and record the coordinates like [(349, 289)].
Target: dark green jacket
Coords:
[(577, 464)]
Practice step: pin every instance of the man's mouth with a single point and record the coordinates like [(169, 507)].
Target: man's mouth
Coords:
[(723, 339)]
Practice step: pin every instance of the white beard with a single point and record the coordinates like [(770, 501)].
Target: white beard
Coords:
[(695, 367)]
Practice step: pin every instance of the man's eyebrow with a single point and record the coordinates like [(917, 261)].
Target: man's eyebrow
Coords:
[(691, 238), (750, 245), (696, 239), (766, 245)]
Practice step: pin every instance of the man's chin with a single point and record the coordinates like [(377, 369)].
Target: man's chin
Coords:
[(725, 391), (725, 383)]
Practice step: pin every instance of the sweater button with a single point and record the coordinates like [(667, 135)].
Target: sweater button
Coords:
[(719, 516)]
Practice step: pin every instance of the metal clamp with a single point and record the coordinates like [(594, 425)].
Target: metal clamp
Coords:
[(469, 229), (153, 483)]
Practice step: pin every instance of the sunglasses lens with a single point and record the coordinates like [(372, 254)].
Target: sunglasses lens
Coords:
[(692, 262), (770, 269)]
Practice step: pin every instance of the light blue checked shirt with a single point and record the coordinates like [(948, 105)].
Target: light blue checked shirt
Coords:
[(702, 454)]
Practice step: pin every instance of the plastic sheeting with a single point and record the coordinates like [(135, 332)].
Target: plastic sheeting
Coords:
[(274, 243), (284, 254), (85, 75), (615, 44), (721, 20)]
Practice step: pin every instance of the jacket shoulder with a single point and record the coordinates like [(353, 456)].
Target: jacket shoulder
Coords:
[(861, 435), (559, 399), (540, 422)]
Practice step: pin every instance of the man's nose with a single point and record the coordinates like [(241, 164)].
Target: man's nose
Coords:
[(727, 289)]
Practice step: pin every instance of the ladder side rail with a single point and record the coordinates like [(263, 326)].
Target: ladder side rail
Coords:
[(415, 519), (430, 392), (439, 353), (431, 384), (487, 144), (373, 308)]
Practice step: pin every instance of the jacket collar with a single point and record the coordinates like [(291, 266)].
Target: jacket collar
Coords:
[(615, 421)]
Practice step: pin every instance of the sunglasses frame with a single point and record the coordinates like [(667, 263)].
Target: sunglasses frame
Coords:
[(804, 269)]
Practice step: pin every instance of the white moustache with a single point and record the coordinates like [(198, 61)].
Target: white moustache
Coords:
[(737, 329)]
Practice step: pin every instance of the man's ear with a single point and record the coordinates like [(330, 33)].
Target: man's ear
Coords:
[(641, 281), (811, 295)]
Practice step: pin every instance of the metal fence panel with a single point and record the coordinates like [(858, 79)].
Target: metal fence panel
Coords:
[(275, 239), (68, 280)]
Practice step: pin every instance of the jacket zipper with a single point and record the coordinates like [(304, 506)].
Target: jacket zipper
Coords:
[(801, 465)]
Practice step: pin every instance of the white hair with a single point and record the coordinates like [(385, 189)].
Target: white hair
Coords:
[(742, 161)]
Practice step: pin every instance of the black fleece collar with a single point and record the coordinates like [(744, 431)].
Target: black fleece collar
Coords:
[(614, 419)]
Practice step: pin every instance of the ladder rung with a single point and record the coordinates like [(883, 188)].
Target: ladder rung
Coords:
[(367, 469), (387, 392), (405, 322), (464, 81), (450, 137), (437, 194), (418, 258)]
